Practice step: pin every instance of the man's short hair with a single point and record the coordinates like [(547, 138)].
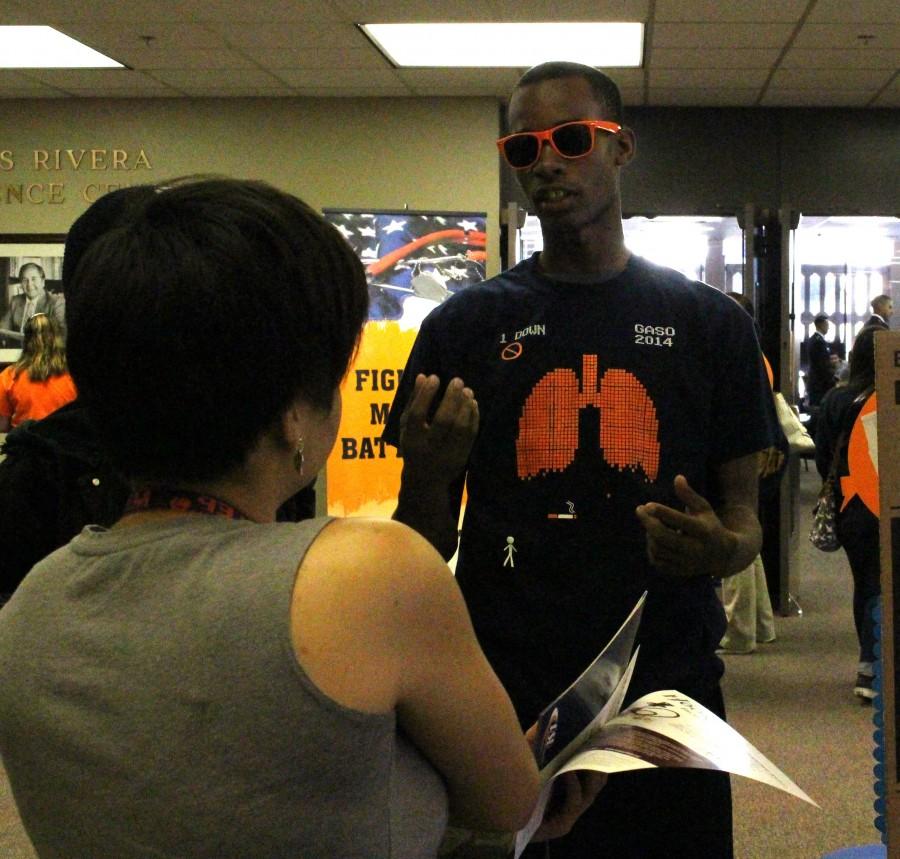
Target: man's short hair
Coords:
[(880, 302), (604, 88), (822, 317), (40, 269), (194, 325)]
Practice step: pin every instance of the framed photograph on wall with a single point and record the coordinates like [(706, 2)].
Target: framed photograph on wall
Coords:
[(30, 282), (413, 260)]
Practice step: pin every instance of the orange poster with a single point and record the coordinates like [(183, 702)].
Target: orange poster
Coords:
[(363, 473), (414, 261)]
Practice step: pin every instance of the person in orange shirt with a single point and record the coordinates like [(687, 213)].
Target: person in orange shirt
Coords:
[(39, 382)]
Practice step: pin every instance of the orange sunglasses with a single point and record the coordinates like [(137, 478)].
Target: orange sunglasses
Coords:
[(570, 140)]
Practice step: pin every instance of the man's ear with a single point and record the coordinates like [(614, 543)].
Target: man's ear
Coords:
[(626, 146)]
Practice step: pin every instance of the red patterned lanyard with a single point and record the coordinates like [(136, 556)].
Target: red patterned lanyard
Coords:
[(180, 500)]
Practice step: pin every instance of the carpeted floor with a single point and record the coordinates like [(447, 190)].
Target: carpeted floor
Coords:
[(792, 699)]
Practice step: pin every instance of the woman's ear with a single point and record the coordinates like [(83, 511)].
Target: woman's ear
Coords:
[(293, 421)]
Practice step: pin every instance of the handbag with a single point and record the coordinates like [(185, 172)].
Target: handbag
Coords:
[(798, 437), (823, 534)]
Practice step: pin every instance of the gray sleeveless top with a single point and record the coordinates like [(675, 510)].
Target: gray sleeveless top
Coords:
[(151, 706)]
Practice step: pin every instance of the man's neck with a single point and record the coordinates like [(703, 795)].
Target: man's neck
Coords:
[(581, 256)]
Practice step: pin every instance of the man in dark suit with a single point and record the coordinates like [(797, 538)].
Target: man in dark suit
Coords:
[(33, 299), (820, 375), (882, 311)]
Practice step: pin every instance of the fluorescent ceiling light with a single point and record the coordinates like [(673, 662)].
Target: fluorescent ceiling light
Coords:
[(46, 48), (594, 43)]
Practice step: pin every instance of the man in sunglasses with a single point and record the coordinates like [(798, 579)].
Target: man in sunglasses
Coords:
[(605, 414)]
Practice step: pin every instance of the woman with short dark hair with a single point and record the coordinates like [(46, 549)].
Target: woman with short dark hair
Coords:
[(39, 382), (199, 680)]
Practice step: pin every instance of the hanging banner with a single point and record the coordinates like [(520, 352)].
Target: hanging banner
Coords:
[(414, 261)]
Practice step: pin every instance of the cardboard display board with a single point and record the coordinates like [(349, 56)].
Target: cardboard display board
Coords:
[(887, 384)]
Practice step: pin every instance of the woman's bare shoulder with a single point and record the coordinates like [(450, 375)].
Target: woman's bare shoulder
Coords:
[(361, 591)]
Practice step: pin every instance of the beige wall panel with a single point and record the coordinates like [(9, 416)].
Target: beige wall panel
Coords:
[(427, 154)]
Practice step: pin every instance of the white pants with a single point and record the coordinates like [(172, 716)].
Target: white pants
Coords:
[(748, 608)]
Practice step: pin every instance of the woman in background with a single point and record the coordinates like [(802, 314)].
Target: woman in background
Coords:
[(857, 526), (200, 680), (39, 382)]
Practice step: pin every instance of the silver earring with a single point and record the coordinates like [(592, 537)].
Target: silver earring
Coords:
[(298, 456)]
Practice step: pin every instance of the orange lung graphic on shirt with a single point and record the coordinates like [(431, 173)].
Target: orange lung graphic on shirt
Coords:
[(548, 427)]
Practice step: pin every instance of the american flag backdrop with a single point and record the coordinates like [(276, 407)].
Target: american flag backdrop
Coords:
[(414, 254)]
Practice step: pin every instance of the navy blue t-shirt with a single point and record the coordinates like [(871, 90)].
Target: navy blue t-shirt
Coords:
[(592, 397)]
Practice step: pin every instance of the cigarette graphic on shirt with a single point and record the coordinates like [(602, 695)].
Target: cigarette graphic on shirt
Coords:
[(570, 515)]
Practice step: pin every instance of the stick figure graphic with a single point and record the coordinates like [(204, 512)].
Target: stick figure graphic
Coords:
[(510, 551)]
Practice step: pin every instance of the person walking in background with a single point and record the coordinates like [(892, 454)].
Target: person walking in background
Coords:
[(882, 311), (591, 401), (745, 595), (857, 526), (820, 374), (33, 299), (39, 382)]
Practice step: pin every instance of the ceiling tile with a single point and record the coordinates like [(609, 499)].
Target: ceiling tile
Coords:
[(46, 92), (886, 37), (310, 34), (187, 79), (631, 97), (116, 37), (830, 79), (815, 98), (113, 79), (414, 11), (827, 58), (393, 91), (574, 10), (318, 58), (494, 82), (126, 92), (14, 13), (240, 92), (701, 50), (842, 12), (178, 58), (182, 10), (713, 58), (889, 98), (11, 77), (729, 10), (737, 97), (708, 78), (266, 11), (56, 11), (718, 35), (333, 78)]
